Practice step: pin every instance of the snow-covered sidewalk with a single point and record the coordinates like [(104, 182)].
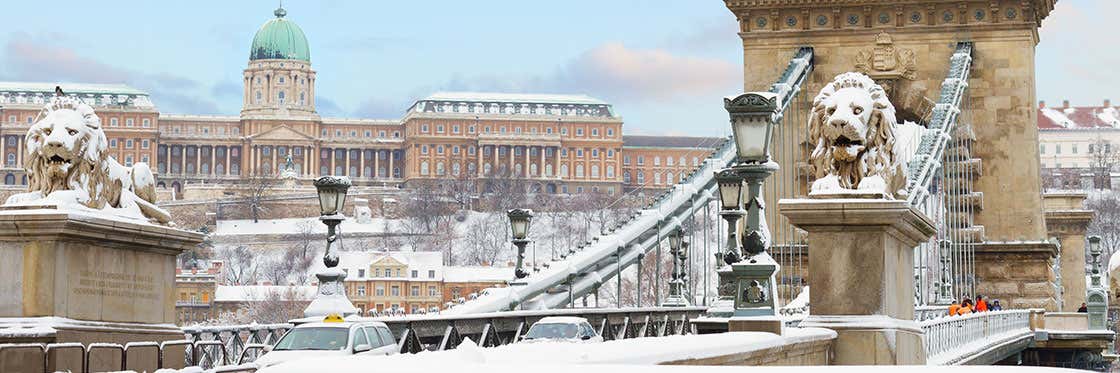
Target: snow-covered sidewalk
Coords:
[(640, 351)]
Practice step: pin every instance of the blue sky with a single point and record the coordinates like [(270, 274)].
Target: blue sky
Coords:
[(663, 63)]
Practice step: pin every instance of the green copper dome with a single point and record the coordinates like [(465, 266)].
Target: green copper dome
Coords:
[(280, 39)]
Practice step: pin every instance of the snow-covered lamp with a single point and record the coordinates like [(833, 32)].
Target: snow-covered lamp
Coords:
[(519, 222), (332, 193), (752, 123), (730, 189)]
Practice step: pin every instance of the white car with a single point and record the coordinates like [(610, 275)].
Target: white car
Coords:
[(334, 336), (560, 328)]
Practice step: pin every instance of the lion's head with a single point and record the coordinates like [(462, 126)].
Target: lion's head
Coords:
[(852, 127), (65, 149)]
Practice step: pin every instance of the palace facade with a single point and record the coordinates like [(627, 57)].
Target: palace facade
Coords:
[(559, 143)]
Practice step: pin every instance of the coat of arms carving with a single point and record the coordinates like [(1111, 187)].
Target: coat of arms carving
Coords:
[(886, 61)]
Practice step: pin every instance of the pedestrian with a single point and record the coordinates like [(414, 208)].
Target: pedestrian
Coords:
[(966, 307), (954, 308), (996, 306), (1083, 309), (981, 305)]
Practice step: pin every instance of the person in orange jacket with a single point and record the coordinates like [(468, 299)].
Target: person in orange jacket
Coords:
[(966, 307), (981, 304), (954, 308)]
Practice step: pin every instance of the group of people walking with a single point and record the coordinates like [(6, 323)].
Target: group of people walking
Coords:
[(966, 306)]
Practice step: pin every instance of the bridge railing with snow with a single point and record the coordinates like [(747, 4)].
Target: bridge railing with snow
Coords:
[(625, 244)]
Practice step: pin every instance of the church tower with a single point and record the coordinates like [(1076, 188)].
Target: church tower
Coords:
[(279, 80)]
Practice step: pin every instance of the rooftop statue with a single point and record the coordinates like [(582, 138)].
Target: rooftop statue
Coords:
[(68, 167), (853, 128)]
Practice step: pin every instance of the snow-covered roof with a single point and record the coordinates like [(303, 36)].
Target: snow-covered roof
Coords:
[(421, 262), (1079, 117), (476, 274), (37, 93), (199, 118), (672, 141), (526, 98), (513, 104), (362, 121), (249, 293), (292, 226)]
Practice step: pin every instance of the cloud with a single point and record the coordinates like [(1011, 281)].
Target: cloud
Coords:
[(381, 108), (29, 58), (618, 73), (328, 108), (226, 89)]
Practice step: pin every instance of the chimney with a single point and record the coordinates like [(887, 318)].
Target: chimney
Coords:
[(1041, 104), (1107, 103), (1065, 104)]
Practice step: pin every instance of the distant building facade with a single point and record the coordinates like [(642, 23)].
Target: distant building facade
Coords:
[(559, 143), (1079, 146)]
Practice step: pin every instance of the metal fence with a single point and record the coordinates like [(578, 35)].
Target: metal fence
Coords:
[(949, 339)]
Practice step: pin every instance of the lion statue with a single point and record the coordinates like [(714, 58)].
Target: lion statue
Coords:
[(68, 166), (852, 127)]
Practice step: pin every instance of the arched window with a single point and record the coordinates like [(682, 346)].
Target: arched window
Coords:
[(280, 97), (656, 178), (471, 169), (682, 161), (548, 170), (9, 179), (258, 97), (301, 100), (668, 161), (456, 169), (533, 169), (440, 169), (11, 159), (610, 172), (221, 170), (517, 169), (564, 171), (367, 171), (205, 168), (381, 171), (669, 178), (486, 169), (579, 170), (626, 177), (424, 168), (641, 177), (595, 171)]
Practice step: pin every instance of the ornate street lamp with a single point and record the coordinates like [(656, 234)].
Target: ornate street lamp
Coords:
[(730, 198), (676, 283), (748, 280), (1096, 297), (519, 222), (331, 298)]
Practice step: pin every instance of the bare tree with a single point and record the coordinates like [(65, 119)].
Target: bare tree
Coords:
[(461, 189), (278, 270), (485, 239), (203, 251), (275, 305), (425, 204), (255, 190), (1103, 159), (1106, 223), (238, 267)]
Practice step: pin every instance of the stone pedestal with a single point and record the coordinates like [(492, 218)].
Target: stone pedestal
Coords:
[(79, 277), (1067, 219), (861, 275), (1019, 274)]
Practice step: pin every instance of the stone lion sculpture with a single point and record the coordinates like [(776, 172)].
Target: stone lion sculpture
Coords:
[(68, 166), (852, 128)]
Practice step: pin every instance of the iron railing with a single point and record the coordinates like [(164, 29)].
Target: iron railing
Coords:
[(952, 338)]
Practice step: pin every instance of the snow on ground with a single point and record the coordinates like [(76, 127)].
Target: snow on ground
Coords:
[(643, 351), (294, 225), (47, 326)]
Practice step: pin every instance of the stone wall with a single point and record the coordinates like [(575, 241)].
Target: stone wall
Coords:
[(1019, 274)]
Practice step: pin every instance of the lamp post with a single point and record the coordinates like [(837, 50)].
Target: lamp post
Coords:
[(519, 222), (676, 282), (331, 298), (1096, 298), (748, 278)]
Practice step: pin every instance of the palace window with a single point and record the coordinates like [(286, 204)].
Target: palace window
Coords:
[(656, 161), (381, 134), (455, 128), (369, 133), (128, 144), (594, 171), (439, 128), (415, 273), (129, 122), (258, 96), (668, 161), (113, 144), (471, 150), (594, 132), (424, 128), (470, 129), (641, 177), (579, 171), (455, 149), (626, 177), (439, 149), (579, 131), (112, 121), (610, 153), (280, 97), (361, 289), (548, 130), (415, 292), (579, 152), (610, 172), (432, 291), (610, 132), (281, 80), (379, 290), (145, 144), (595, 153), (395, 291), (641, 160)]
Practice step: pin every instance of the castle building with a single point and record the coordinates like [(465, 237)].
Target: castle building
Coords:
[(1078, 145), (558, 143)]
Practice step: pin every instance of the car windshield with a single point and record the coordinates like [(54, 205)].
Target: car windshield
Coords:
[(552, 331), (313, 339)]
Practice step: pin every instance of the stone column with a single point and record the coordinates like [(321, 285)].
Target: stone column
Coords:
[(861, 266), (525, 167), (362, 163), (273, 167), (377, 164), (480, 154), (213, 154), (19, 151), (511, 164), (556, 167), (540, 168), (227, 161), (183, 160), (1018, 273), (1067, 220), (346, 162), (391, 156), (167, 158)]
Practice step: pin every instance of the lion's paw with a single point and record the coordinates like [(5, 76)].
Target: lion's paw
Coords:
[(830, 182), (874, 183)]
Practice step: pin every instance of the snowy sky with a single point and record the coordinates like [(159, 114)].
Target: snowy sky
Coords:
[(665, 64)]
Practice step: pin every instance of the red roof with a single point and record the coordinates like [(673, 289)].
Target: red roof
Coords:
[(1079, 117)]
